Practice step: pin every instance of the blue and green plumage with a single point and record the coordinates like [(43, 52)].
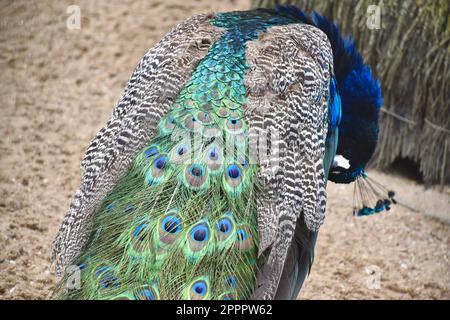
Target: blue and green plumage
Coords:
[(182, 223), (186, 205)]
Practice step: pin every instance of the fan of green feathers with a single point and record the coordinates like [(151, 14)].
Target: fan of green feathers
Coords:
[(182, 223)]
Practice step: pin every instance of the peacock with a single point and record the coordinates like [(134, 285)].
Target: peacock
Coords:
[(209, 180)]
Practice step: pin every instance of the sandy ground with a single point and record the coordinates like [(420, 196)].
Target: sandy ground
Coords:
[(58, 87)]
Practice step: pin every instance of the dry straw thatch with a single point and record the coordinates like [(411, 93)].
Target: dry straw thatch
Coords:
[(411, 55)]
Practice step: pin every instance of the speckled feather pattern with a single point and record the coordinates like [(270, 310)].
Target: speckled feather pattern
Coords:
[(146, 198), (292, 65), (151, 90)]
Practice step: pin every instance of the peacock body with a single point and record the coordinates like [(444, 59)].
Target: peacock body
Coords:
[(179, 199)]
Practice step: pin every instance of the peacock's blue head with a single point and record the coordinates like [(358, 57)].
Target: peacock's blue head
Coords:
[(361, 102)]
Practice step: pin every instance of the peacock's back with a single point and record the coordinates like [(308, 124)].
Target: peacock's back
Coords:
[(209, 179)]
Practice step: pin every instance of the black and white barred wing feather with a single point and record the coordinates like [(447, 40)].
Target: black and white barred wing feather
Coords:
[(288, 85), (151, 90)]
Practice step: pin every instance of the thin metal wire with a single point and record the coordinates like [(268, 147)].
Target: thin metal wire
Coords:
[(413, 123), (399, 117)]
